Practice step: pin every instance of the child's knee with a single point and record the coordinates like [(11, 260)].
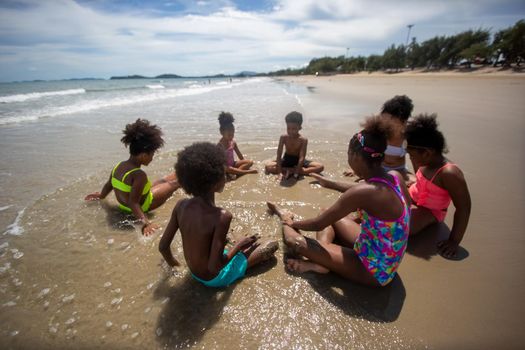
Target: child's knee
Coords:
[(295, 242)]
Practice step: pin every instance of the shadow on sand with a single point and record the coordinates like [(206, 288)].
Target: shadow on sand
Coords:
[(424, 244), (193, 308), (374, 304)]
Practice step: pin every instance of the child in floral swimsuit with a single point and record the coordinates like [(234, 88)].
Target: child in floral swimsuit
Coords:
[(370, 249)]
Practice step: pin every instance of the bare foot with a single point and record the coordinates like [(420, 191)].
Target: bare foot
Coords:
[(300, 266), (267, 249), (281, 214)]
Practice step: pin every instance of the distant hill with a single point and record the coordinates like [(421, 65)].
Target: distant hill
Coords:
[(174, 76), (129, 77), (167, 76), (246, 74)]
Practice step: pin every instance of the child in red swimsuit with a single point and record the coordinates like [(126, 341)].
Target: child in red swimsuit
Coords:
[(439, 182)]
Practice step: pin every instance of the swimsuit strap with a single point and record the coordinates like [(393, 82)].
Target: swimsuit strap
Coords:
[(395, 187), (439, 170)]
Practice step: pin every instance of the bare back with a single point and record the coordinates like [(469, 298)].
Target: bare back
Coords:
[(198, 223)]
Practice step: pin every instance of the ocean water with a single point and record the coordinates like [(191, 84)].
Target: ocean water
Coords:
[(77, 274)]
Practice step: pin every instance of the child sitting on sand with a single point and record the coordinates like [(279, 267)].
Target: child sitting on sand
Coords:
[(228, 144), (368, 252), (133, 190), (204, 226), (438, 182), (293, 163)]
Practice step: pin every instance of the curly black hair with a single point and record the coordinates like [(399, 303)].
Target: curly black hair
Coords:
[(200, 167), (422, 131), (375, 133), (141, 136), (226, 121), (294, 117), (399, 106)]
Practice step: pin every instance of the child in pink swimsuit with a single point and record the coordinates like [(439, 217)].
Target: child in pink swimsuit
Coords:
[(228, 144), (439, 182)]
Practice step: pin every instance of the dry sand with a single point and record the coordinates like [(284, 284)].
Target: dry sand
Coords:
[(476, 302)]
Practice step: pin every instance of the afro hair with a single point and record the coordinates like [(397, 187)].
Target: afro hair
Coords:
[(226, 120), (141, 136), (200, 167), (376, 131), (399, 106), (422, 131)]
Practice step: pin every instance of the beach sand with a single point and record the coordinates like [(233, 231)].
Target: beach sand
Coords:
[(476, 302), (81, 276)]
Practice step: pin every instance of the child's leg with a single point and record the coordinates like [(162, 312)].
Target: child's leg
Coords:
[(262, 253), (323, 257), (313, 167), (244, 164), (419, 219), (271, 167), (162, 191), (347, 231), (172, 178)]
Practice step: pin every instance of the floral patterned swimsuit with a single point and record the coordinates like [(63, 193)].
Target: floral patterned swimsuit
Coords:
[(382, 244)]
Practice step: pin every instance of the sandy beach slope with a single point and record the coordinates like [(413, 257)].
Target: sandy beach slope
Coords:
[(479, 300)]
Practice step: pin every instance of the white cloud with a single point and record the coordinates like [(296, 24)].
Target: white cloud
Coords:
[(66, 39)]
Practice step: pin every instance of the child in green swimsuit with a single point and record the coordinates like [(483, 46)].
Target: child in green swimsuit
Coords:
[(203, 226), (134, 192)]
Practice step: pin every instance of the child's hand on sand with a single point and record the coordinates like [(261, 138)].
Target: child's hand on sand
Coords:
[(348, 172), (448, 249), (92, 196), (319, 178), (149, 228), (252, 171), (247, 242)]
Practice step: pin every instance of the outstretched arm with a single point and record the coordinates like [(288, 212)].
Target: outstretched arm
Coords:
[(106, 189), (454, 182), (331, 184), (167, 238), (279, 154), (237, 151), (139, 181), (346, 204), (302, 156)]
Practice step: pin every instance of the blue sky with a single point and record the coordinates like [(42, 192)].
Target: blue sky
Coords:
[(60, 39)]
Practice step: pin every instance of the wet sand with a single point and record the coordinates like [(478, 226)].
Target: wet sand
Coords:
[(476, 302), (87, 279)]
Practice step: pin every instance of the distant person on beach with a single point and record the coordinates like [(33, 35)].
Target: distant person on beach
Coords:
[(438, 182), (229, 146), (366, 248), (397, 110), (134, 191), (204, 226), (293, 163)]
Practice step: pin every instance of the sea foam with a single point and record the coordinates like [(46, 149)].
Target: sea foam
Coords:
[(36, 95)]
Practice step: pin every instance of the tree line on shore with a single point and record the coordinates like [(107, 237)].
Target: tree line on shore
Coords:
[(441, 52)]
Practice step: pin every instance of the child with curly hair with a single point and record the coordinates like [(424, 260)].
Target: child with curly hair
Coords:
[(397, 110), (228, 144), (134, 191), (370, 248), (438, 182), (204, 226), (293, 163)]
